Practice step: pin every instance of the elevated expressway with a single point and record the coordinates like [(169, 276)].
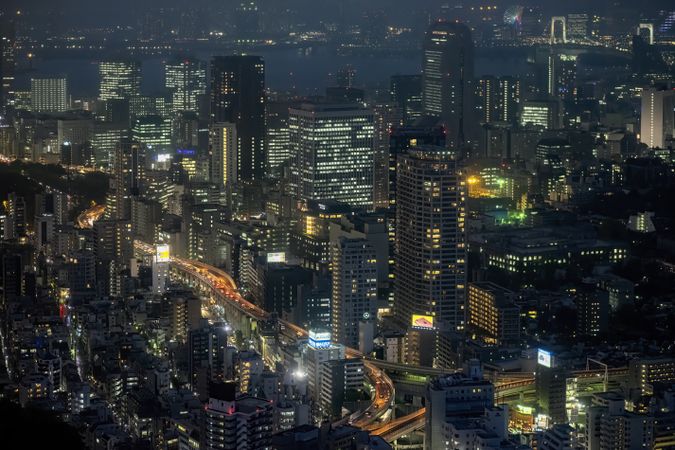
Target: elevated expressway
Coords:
[(87, 218), (223, 289)]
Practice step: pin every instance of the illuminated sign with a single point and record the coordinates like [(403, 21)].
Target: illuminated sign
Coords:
[(163, 157), (319, 339), (186, 152), (423, 322), (544, 358), (163, 253), (279, 257)]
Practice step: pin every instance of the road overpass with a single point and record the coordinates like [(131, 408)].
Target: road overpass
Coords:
[(220, 286)]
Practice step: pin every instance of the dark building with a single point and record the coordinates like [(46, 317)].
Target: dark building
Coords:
[(238, 97), (406, 92), (448, 79)]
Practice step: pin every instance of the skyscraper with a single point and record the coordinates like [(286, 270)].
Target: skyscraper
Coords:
[(223, 148), (7, 58), (48, 94), (430, 241), (119, 79), (129, 169), (238, 97), (186, 79), (656, 119), (354, 264), (448, 78), (386, 118), (332, 151)]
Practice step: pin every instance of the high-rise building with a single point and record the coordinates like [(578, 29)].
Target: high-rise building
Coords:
[(7, 59), (119, 79), (277, 143), (186, 79), (508, 99), (207, 348), (656, 119), (448, 79), (452, 397), (541, 113), (406, 92), (493, 313), (153, 132), (128, 173), (238, 97), (430, 252), (48, 94), (320, 349), (224, 157), (235, 422), (332, 151), (354, 265), (387, 117)]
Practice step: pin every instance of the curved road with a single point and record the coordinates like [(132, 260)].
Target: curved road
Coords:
[(87, 217), (223, 283)]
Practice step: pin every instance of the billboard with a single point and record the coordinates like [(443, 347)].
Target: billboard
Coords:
[(422, 322), (544, 358), (319, 339), (163, 253), (279, 257)]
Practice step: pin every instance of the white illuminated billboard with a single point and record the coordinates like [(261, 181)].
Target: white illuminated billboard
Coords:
[(544, 358), (163, 253), (276, 257)]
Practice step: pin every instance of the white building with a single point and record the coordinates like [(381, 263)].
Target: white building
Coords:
[(48, 94), (332, 152), (656, 117)]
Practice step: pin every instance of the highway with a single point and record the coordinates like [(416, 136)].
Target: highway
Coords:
[(223, 283)]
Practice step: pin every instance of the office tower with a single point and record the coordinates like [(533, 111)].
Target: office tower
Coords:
[(320, 349), (150, 105), (406, 92), (224, 156), (48, 94), (488, 96), (237, 422), (656, 118), (277, 143), (541, 113), (186, 79), (386, 118), (430, 253), (448, 79), (492, 313), (44, 229), (128, 175), (403, 139), (7, 59), (332, 151), (354, 288), (160, 269), (16, 212), (119, 79), (562, 77), (454, 397), (238, 97), (578, 27), (339, 378), (207, 352), (104, 139), (508, 99), (12, 278), (152, 132)]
